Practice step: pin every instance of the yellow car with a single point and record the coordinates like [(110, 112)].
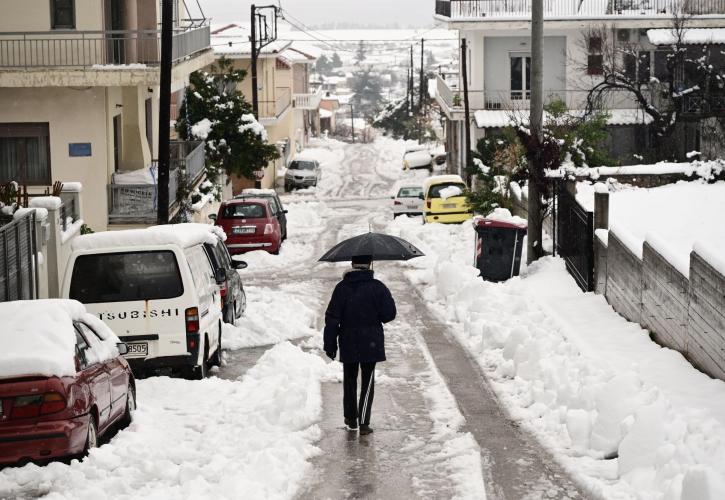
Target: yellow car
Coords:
[(444, 200)]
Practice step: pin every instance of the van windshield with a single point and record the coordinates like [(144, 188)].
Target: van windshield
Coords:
[(124, 277), (410, 192), (302, 165), (244, 211), (450, 189)]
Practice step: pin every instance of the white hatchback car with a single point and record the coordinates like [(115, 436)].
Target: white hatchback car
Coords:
[(407, 200)]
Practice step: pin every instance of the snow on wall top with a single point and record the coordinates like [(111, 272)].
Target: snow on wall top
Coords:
[(181, 235), (496, 118), (38, 337), (47, 202), (691, 36)]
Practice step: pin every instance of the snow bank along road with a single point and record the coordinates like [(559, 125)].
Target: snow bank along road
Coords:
[(564, 377)]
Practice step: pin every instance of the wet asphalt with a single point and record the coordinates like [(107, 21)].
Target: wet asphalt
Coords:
[(402, 459)]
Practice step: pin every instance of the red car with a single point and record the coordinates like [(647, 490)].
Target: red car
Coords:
[(63, 381), (250, 224)]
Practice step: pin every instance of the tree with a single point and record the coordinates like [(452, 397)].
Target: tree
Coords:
[(216, 112), (323, 65), (360, 52), (677, 77), (395, 120), (367, 92), (336, 61)]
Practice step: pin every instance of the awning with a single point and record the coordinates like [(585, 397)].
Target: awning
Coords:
[(691, 36), (499, 118)]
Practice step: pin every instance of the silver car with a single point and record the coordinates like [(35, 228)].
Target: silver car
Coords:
[(407, 200), (301, 174)]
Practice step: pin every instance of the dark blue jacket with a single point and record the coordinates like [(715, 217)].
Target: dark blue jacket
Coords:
[(354, 318)]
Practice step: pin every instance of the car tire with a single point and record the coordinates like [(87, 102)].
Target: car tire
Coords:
[(91, 436), (216, 359), (130, 408)]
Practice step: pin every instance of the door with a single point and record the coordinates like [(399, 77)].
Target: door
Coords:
[(520, 76), (117, 138), (116, 49), (95, 375)]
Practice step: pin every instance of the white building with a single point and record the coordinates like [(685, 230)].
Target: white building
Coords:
[(498, 32)]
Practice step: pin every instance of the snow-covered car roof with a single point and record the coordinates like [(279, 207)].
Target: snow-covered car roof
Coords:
[(418, 158), (438, 179), (181, 235), (258, 192), (38, 337)]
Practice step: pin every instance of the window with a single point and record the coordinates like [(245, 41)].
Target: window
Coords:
[(62, 14), (124, 277), (637, 66), (94, 344), (410, 192), (82, 350), (595, 59), (520, 76), (246, 211), (435, 191), (25, 153)]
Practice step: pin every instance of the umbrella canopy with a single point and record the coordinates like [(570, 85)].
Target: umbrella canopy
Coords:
[(378, 246)]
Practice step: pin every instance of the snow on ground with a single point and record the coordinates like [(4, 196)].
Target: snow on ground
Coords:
[(200, 439), (628, 418), (273, 315)]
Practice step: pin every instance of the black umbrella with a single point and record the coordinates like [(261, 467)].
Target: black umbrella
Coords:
[(379, 246)]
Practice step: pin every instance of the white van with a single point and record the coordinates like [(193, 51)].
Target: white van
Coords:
[(156, 289)]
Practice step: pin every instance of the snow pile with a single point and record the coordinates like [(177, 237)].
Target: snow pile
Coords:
[(113, 67), (698, 36), (274, 315), (707, 170), (46, 202), (504, 215), (628, 418), (38, 338), (201, 439), (202, 129), (671, 218), (450, 192)]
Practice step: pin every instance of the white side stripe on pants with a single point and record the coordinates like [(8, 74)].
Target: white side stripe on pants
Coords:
[(367, 394)]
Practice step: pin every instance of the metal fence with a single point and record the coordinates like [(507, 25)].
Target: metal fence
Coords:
[(574, 237), (18, 271), (482, 9), (88, 49)]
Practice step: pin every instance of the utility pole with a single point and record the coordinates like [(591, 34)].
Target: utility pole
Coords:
[(167, 13), (253, 40), (412, 80), (534, 246), (422, 76), (466, 107), (352, 122)]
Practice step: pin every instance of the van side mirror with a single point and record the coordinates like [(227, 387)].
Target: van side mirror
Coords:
[(285, 211), (238, 263), (122, 348), (421, 196), (220, 275), (212, 216)]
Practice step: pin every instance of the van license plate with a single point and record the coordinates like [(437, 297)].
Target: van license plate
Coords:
[(449, 205), (243, 229), (140, 349)]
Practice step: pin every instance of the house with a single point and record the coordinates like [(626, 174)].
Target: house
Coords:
[(79, 100), (498, 38), (288, 108)]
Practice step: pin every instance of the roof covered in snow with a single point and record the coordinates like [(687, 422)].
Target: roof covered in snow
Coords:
[(38, 337), (181, 235), (496, 118), (691, 36)]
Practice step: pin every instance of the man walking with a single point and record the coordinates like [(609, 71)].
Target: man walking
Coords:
[(354, 319)]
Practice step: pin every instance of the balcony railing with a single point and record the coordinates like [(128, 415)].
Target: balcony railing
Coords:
[(97, 49), (307, 101), (487, 9), (138, 203), (273, 109)]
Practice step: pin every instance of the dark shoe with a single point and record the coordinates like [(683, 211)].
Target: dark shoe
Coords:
[(365, 430), (351, 423)]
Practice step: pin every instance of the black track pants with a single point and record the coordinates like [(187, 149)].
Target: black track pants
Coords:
[(353, 408)]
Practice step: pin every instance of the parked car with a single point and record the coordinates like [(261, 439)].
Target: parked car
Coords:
[(302, 173), (157, 289), (249, 225), (234, 299), (277, 207), (445, 200), (63, 381), (421, 157), (407, 200)]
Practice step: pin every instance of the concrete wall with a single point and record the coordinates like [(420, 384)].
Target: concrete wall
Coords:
[(706, 317), (34, 15), (624, 280)]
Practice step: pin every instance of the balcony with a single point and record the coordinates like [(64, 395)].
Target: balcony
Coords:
[(271, 110), (493, 10), (307, 101), (98, 49), (138, 203)]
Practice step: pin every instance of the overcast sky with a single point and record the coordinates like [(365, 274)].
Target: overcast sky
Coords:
[(328, 13)]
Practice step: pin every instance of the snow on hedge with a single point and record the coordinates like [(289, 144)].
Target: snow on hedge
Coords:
[(201, 439), (627, 418), (38, 338)]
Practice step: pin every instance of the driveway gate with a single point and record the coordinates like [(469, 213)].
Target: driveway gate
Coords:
[(18, 277), (575, 237)]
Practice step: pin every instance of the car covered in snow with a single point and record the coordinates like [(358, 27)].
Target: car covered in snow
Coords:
[(445, 200), (249, 224), (157, 289), (302, 172), (423, 158), (407, 199), (276, 203), (63, 381)]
